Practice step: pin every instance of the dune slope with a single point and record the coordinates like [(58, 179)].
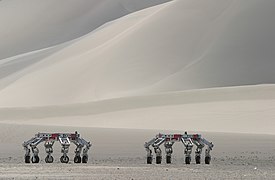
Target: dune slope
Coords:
[(28, 25), (179, 45)]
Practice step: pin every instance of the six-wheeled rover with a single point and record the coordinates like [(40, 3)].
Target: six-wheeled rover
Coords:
[(188, 141), (64, 139)]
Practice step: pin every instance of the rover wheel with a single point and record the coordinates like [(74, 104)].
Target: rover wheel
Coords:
[(158, 159), (64, 159), (35, 159), (149, 160), (168, 159), (77, 159), (198, 159), (27, 159), (49, 159), (187, 160), (207, 160), (84, 159)]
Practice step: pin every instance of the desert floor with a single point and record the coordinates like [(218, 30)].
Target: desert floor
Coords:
[(119, 154)]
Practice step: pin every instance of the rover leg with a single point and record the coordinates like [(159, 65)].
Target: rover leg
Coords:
[(158, 155), (198, 155), (77, 158), (31, 145), (188, 150), (64, 158), (207, 156), (210, 146), (158, 141), (169, 150), (85, 155), (149, 156), (149, 151), (198, 151), (49, 150), (81, 144), (35, 157), (65, 144), (27, 155)]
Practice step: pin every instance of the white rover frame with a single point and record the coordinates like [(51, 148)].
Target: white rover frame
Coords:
[(188, 141), (64, 139)]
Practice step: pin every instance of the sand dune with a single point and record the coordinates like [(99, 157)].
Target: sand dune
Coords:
[(174, 46), (238, 109), (138, 65), (29, 25), (112, 76)]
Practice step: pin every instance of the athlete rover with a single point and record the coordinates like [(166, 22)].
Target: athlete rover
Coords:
[(64, 139), (188, 141)]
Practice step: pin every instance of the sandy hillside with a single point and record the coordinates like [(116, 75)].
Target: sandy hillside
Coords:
[(236, 109), (178, 45), (29, 25)]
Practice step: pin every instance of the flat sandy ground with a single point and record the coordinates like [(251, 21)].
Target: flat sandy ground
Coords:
[(119, 154)]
